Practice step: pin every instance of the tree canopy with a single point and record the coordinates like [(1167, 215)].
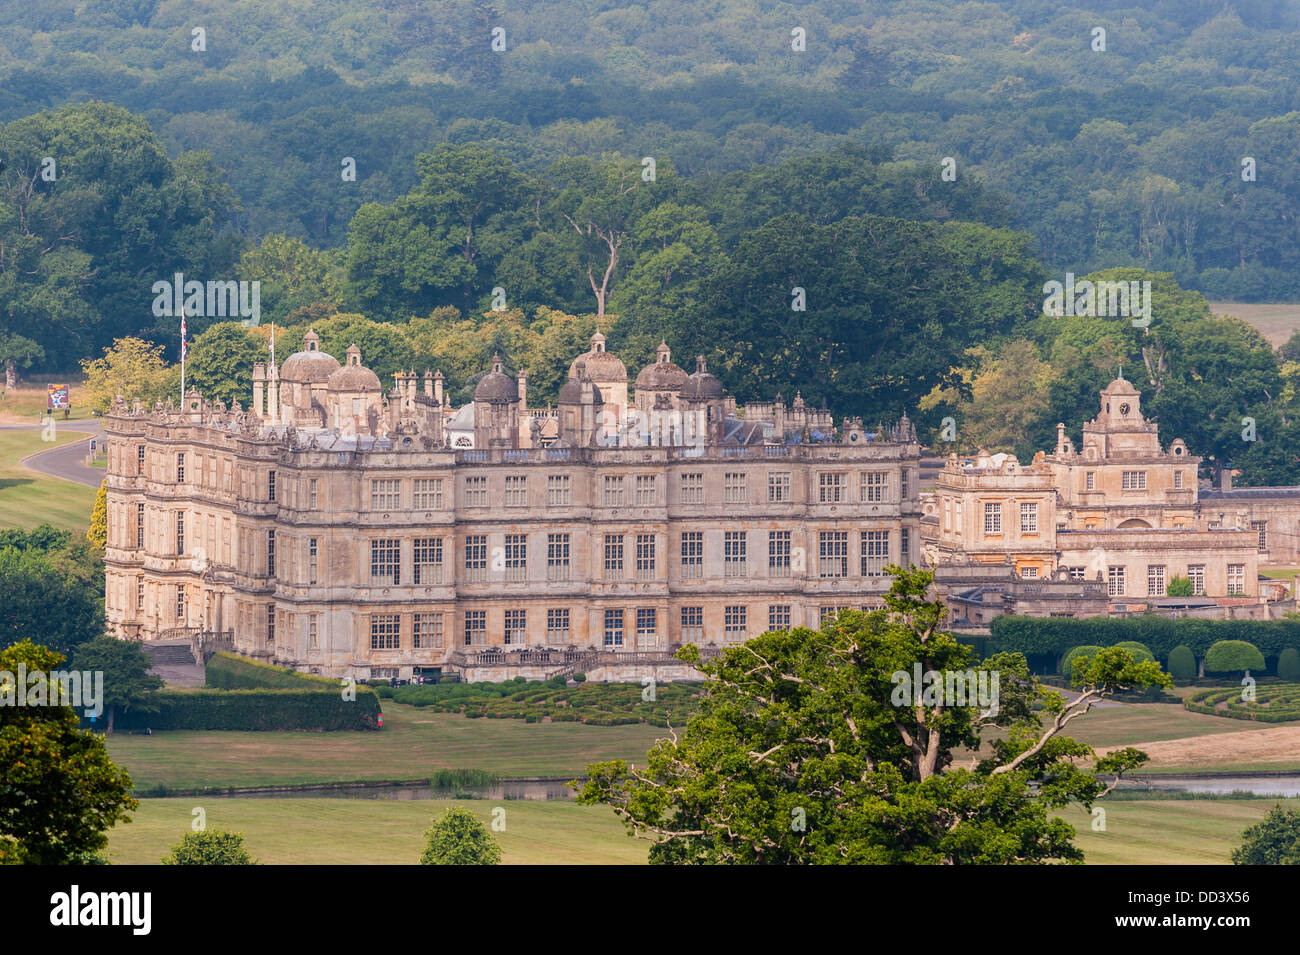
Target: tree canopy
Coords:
[(822, 746)]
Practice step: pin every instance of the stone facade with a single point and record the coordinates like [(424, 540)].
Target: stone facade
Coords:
[(351, 531), (1122, 511)]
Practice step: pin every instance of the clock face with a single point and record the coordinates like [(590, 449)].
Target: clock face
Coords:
[(1123, 408)]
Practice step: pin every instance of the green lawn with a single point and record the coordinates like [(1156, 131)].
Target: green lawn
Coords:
[(384, 831), (415, 741), (412, 743), (1128, 724), (1132, 723), (376, 831), (1171, 831), (1288, 573), (27, 498)]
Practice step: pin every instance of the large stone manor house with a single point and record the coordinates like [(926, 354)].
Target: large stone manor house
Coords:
[(1101, 528), (349, 529)]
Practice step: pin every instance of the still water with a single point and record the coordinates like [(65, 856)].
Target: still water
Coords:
[(506, 789), (545, 789), (1288, 785)]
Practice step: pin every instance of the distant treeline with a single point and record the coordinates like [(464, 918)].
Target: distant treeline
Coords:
[(1127, 153)]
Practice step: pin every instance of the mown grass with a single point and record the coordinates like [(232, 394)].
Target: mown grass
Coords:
[(412, 744), (28, 498), (376, 831), (1168, 832), (389, 832)]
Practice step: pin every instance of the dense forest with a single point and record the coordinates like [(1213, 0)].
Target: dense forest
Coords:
[(860, 201), (1127, 155)]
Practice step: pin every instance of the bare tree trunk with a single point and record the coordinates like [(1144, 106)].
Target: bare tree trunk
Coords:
[(11, 374)]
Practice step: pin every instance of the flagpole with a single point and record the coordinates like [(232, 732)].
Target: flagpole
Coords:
[(183, 355), (275, 378)]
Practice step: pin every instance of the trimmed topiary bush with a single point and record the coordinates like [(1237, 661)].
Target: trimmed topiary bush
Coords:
[(1139, 651), (1288, 665), (1182, 664), (1233, 656), (1067, 665), (1055, 635)]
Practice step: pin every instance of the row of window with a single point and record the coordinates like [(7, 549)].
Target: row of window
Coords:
[(207, 466), (427, 493), (427, 629), (832, 488), (993, 517), (1129, 480), (1157, 581), (619, 626), (620, 556)]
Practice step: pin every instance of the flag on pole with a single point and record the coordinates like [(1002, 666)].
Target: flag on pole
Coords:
[(184, 349)]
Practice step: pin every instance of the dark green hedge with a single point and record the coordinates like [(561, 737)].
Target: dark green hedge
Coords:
[(229, 671), (260, 709), (1056, 635)]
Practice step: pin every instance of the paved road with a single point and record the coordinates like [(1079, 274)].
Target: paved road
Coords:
[(65, 461)]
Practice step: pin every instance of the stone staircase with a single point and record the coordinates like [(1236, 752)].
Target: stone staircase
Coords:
[(171, 653), (173, 660)]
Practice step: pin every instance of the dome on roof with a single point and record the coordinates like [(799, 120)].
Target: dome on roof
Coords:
[(353, 376), (701, 386), (1120, 386), (309, 365), (663, 375), (496, 387), (602, 367)]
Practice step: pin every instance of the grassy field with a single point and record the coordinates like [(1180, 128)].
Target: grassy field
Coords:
[(412, 743), (376, 831), (415, 741), (27, 498), (1169, 831), (383, 831), (26, 403), (1138, 722), (1276, 322)]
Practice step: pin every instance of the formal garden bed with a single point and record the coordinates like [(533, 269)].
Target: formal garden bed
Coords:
[(1275, 703), (595, 704)]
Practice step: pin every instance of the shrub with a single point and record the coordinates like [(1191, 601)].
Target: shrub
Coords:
[(264, 709), (1274, 703), (456, 778), (1233, 656), (1274, 840), (1067, 665), (210, 847), (1139, 652), (229, 671), (1179, 587), (579, 678), (1288, 665), (1055, 635), (1181, 664), (458, 838)]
